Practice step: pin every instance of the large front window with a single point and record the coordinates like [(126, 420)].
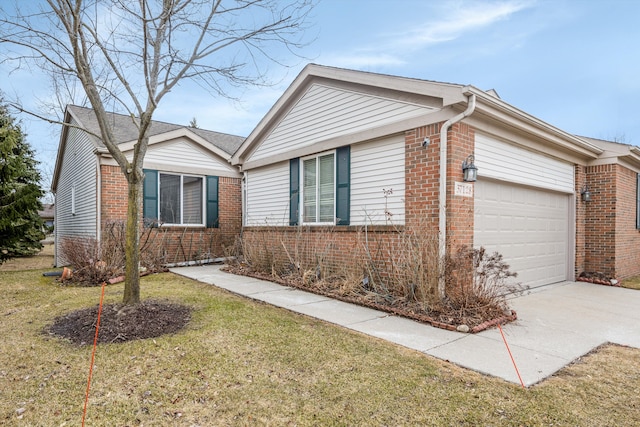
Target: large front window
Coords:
[(318, 189), (181, 199)]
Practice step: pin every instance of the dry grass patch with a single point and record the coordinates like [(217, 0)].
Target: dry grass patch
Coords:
[(631, 283), (240, 362), (36, 262)]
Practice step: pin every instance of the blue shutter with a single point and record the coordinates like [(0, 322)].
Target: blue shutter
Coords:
[(294, 191), (212, 202), (343, 185), (150, 197)]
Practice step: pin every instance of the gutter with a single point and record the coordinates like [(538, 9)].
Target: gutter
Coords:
[(442, 196)]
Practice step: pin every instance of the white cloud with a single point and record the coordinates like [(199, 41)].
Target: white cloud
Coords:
[(453, 20)]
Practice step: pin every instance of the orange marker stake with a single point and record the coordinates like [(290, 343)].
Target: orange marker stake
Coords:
[(511, 356), (93, 355)]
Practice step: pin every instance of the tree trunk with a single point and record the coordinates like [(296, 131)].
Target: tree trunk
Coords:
[(132, 247)]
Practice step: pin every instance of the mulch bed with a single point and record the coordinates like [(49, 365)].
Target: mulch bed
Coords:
[(120, 323), (444, 319)]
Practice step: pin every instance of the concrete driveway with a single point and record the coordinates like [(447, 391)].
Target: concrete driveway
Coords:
[(556, 324)]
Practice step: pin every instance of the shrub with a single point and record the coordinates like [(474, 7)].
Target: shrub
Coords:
[(478, 282)]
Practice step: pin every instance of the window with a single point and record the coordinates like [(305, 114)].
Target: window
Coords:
[(318, 189), (180, 199), (176, 199)]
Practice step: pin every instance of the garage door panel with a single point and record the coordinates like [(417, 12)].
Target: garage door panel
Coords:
[(528, 226)]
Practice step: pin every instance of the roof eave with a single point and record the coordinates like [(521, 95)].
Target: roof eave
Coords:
[(495, 107)]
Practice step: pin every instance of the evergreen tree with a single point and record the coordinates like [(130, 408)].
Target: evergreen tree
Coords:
[(20, 225)]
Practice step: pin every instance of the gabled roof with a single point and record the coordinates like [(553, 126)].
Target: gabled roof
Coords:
[(125, 130), (126, 134), (448, 99)]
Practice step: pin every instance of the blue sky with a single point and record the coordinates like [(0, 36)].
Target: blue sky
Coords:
[(574, 64)]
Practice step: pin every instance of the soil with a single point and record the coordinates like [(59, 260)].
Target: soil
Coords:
[(121, 323), (444, 316)]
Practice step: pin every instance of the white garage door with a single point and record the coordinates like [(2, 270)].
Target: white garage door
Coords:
[(528, 226)]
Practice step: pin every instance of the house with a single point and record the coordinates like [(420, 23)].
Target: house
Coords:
[(346, 150), (190, 189), (47, 214)]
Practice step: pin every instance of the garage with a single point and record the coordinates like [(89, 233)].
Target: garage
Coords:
[(528, 226), (525, 217)]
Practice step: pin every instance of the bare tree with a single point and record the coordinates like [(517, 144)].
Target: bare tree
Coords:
[(129, 54)]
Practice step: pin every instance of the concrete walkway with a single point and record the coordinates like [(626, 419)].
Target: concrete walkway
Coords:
[(556, 324)]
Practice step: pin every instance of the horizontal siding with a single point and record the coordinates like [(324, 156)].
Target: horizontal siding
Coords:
[(267, 195), (78, 169), (507, 162), (326, 112), (377, 166), (187, 154)]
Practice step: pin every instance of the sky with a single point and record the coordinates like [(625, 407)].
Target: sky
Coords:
[(574, 64)]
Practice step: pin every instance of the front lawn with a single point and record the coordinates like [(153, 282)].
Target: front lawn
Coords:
[(240, 362)]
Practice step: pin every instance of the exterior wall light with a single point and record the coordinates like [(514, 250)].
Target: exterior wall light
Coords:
[(585, 193), (469, 169)]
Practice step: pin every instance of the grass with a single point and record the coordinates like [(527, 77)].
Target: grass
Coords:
[(241, 362), (631, 283)]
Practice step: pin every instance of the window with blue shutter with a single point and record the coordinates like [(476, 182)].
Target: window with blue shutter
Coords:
[(176, 199), (320, 188)]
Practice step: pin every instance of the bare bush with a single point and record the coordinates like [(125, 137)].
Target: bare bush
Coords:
[(478, 282), (393, 266), (84, 254)]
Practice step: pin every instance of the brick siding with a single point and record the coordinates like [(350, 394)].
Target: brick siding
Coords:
[(177, 244)]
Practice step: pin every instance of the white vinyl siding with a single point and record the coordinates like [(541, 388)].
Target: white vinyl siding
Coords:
[(325, 112), (507, 162), (318, 189), (76, 197), (267, 195), (376, 167), (187, 156)]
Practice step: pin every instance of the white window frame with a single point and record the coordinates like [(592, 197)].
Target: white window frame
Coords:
[(202, 200), (301, 180)]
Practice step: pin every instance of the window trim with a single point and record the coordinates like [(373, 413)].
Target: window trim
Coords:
[(301, 188), (203, 199)]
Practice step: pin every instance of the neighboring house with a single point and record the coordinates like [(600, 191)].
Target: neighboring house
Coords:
[(343, 149), (190, 188), (47, 214)]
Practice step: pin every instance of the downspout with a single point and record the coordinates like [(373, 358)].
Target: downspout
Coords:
[(442, 196)]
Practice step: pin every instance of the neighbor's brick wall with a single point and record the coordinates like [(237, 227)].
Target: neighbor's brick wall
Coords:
[(179, 243), (627, 253), (581, 211), (600, 219)]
